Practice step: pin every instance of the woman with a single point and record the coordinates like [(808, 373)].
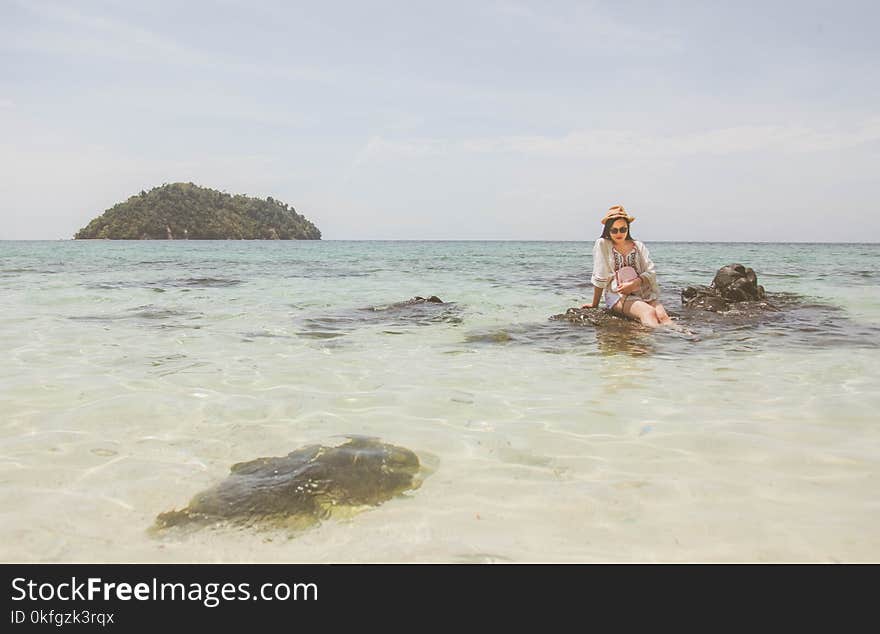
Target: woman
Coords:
[(613, 251)]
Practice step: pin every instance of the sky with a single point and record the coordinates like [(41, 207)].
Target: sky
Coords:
[(502, 120)]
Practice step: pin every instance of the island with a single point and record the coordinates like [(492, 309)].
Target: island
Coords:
[(184, 211)]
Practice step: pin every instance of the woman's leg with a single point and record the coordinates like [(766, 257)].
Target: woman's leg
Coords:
[(662, 316), (637, 309), (665, 320)]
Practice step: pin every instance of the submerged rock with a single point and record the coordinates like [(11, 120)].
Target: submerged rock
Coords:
[(732, 284), (590, 317), (303, 487), (395, 317), (433, 299), (614, 333)]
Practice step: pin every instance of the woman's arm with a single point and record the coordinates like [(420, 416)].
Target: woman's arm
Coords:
[(649, 273), (602, 273), (597, 295)]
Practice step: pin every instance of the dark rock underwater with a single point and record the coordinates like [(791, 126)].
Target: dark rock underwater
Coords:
[(300, 489)]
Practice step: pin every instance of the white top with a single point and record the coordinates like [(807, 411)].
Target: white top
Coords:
[(603, 268)]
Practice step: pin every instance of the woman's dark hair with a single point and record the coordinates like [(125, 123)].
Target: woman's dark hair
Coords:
[(606, 232)]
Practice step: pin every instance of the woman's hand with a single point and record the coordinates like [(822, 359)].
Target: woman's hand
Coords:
[(630, 287), (589, 306), (627, 288)]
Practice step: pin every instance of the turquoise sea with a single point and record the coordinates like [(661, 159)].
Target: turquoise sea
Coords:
[(136, 373)]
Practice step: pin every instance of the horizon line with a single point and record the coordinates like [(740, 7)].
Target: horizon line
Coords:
[(586, 240)]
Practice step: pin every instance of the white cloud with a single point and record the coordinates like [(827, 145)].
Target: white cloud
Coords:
[(105, 37), (585, 27), (598, 144), (118, 39)]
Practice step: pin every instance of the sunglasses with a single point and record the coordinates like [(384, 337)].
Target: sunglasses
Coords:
[(619, 230)]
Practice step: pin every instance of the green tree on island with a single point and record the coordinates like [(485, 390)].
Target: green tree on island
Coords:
[(182, 211)]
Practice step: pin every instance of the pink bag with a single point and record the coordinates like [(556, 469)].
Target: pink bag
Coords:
[(624, 274)]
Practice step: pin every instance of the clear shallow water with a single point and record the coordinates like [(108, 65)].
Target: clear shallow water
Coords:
[(137, 373)]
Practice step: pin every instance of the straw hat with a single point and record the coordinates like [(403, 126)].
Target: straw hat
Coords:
[(617, 211)]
